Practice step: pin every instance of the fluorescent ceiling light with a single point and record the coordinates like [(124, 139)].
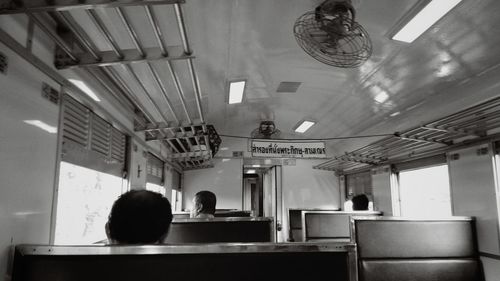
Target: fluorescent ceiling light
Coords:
[(42, 125), (250, 171), (302, 128), (256, 166), (428, 16), (381, 97), (85, 89), (236, 90), (395, 114)]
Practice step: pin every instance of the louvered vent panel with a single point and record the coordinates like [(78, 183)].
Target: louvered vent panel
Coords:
[(90, 141), (76, 122), (154, 169), (3, 63), (118, 145), (101, 136), (288, 87)]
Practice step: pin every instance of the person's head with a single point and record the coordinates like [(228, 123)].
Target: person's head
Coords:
[(139, 217), (204, 203), (360, 202)]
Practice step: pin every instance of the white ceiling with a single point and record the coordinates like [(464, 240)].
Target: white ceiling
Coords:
[(253, 39)]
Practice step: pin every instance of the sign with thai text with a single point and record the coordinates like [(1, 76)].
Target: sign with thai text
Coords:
[(275, 149)]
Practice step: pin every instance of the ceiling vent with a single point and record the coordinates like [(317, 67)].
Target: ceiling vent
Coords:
[(3, 63), (288, 87), (50, 93)]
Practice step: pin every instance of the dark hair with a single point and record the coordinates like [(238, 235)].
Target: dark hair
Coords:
[(140, 217), (208, 200), (360, 202)]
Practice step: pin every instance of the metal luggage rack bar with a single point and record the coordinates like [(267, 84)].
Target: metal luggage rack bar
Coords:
[(116, 68), (34, 6), (192, 146), (474, 123)]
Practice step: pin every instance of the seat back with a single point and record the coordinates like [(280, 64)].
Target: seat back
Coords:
[(393, 249), (329, 225), (243, 229), (222, 262)]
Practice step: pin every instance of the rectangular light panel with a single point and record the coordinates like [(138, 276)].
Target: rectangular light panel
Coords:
[(82, 86), (302, 128), (236, 90), (250, 172), (424, 19)]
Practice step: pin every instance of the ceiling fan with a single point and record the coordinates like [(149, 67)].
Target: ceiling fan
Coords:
[(266, 130), (331, 35)]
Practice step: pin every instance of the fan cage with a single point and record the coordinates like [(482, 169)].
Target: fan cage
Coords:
[(347, 45)]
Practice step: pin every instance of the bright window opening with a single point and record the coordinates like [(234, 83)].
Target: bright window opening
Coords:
[(156, 188), (85, 198), (176, 200), (425, 192)]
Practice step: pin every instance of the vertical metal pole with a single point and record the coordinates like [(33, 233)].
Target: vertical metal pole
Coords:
[(55, 195)]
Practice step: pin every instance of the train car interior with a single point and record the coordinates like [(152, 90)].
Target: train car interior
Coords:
[(356, 139)]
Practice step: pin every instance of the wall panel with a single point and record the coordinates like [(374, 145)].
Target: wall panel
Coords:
[(474, 193), (225, 180), (27, 157)]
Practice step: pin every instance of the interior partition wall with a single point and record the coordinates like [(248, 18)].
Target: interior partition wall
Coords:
[(475, 192)]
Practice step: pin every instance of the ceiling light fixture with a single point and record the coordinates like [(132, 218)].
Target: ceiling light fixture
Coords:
[(250, 171), (424, 19), (303, 126), (236, 90), (381, 97), (42, 125), (82, 86)]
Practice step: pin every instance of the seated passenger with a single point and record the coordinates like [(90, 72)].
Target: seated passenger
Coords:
[(139, 217), (204, 205), (360, 203)]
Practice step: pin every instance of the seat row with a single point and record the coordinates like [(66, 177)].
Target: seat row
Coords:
[(382, 248)]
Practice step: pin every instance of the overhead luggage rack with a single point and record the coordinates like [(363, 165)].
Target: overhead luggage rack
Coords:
[(474, 123), (122, 46), (192, 147)]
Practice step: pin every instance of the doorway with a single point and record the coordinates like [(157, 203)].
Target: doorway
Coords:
[(262, 194)]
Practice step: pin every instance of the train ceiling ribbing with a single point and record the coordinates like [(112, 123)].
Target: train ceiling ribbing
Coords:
[(168, 117)]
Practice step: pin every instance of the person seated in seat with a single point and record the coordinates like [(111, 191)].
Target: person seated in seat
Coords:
[(360, 202), (139, 217), (204, 205)]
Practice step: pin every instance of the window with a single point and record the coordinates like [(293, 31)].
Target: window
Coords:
[(90, 174), (85, 197), (358, 183), (176, 192), (176, 200), (155, 173), (425, 192), (156, 188)]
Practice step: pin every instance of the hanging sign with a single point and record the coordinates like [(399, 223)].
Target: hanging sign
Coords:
[(275, 149)]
